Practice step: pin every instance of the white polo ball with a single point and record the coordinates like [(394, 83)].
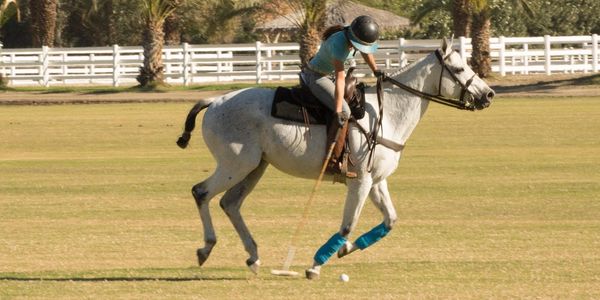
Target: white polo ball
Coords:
[(344, 278)]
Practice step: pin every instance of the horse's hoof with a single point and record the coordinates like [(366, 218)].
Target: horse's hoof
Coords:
[(202, 256), (253, 265), (312, 273), (345, 249)]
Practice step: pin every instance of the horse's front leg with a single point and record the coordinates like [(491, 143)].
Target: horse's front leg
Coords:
[(358, 190), (381, 198)]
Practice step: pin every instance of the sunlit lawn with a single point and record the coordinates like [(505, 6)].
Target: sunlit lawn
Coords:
[(95, 202)]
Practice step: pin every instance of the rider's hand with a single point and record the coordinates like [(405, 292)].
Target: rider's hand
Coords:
[(379, 74), (341, 117)]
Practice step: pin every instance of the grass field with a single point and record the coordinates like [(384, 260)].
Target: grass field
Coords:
[(95, 203)]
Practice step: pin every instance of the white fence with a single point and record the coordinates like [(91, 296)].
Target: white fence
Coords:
[(188, 64)]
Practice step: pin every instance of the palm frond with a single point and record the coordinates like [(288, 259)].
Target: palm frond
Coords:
[(426, 8)]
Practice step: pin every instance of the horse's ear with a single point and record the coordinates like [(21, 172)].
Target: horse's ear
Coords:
[(445, 45)]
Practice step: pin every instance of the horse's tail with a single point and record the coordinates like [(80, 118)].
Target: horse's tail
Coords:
[(190, 122)]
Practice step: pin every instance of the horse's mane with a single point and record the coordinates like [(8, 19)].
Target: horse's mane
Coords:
[(408, 67)]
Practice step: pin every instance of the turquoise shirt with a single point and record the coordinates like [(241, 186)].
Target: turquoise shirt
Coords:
[(335, 47)]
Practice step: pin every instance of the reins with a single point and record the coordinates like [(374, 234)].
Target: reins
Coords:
[(461, 103)]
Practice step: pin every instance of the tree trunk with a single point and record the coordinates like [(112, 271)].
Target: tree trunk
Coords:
[(112, 22), (309, 44), (461, 17), (480, 60), (43, 22), (315, 12), (151, 74)]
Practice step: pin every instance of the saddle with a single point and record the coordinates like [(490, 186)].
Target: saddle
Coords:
[(298, 104)]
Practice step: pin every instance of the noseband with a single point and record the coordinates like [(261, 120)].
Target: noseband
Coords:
[(463, 102)]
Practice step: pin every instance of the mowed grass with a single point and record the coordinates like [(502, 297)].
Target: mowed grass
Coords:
[(95, 202)]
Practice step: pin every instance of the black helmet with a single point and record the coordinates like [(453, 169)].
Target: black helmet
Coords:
[(363, 34)]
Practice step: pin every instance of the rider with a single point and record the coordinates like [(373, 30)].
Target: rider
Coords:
[(338, 47)]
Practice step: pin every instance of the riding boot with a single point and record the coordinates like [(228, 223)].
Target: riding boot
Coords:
[(338, 163)]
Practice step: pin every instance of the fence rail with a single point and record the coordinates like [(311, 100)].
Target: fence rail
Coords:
[(187, 64)]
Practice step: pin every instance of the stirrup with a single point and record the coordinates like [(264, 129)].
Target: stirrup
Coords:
[(339, 172)]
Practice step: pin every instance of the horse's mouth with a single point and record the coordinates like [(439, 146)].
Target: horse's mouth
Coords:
[(485, 101)]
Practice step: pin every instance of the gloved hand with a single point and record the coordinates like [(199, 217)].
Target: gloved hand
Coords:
[(379, 74), (341, 118)]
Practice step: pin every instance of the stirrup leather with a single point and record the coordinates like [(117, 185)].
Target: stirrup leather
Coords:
[(338, 163)]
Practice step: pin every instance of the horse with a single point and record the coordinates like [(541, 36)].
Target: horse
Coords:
[(244, 139)]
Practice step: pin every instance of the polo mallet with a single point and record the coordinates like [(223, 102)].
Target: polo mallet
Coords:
[(285, 270)]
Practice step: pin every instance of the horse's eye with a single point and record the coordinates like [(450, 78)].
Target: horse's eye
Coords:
[(460, 70)]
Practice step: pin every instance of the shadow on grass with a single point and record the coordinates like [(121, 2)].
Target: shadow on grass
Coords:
[(109, 279), (125, 275), (548, 85)]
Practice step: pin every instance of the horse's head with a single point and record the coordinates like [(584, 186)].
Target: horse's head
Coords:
[(458, 81)]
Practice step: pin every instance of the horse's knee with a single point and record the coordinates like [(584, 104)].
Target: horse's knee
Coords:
[(200, 194)]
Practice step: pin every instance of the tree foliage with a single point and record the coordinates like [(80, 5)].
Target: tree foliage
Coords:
[(105, 22)]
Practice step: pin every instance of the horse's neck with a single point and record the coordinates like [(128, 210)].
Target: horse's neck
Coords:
[(403, 110)]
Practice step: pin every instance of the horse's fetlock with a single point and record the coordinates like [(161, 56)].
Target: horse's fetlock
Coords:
[(210, 243), (389, 223), (345, 231)]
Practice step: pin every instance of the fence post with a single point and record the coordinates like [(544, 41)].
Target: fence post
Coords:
[(3, 72), (45, 65), (462, 48), (595, 57), (502, 56), (64, 68), (116, 71), (219, 65), (92, 70), (526, 58), (401, 54), (269, 64), (258, 63), (547, 57), (186, 62)]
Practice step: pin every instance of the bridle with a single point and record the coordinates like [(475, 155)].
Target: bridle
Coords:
[(466, 97), (465, 102)]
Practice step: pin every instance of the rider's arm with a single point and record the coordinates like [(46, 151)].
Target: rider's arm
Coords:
[(340, 79), (370, 60)]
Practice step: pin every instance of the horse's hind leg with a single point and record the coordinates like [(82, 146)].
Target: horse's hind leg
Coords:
[(231, 204), (380, 196), (222, 179)]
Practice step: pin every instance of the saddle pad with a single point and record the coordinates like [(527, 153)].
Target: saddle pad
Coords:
[(288, 105)]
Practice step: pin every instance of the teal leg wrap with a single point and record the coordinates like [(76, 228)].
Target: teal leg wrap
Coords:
[(372, 236), (329, 248)]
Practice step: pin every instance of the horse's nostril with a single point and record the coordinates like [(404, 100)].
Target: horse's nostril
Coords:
[(490, 95)]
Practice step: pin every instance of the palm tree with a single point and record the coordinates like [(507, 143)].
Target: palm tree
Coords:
[(224, 19), (43, 22), (8, 8), (481, 15), (480, 56), (472, 16), (310, 22), (173, 25), (459, 9), (154, 13)]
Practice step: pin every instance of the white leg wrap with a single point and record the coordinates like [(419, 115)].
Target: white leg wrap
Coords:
[(254, 267)]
